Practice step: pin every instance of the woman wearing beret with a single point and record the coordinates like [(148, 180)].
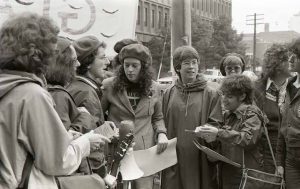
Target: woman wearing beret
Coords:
[(132, 95), (85, 89), (190, 103), (232, 63)]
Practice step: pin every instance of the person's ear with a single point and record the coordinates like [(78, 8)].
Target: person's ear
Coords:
[(242, 97)]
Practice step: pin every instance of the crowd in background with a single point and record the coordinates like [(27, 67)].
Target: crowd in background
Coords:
[(57, 95)]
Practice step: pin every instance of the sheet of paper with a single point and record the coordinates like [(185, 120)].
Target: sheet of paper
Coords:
[(129, 169), (150, 162)]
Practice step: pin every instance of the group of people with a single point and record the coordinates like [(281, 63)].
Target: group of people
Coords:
[(56, 96)]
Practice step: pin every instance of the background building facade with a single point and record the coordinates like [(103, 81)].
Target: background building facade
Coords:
[(154, 15)]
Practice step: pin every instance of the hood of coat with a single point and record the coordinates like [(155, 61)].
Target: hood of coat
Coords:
[(10, 79), (198, 85)]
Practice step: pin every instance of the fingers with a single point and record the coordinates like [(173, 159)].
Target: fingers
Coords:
[(161, 147)]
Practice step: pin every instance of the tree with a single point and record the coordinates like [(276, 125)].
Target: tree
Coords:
[(160, 52), (224, 40), (201, 37), (213, 41)]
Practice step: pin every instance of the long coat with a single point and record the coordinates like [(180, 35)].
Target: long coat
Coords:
[(30, 125), (147, 117), (187, 107)]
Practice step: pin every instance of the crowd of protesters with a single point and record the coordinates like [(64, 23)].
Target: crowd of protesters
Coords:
[(57, 95)]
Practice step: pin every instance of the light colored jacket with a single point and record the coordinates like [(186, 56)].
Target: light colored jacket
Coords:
[(29, 124), (147, 117)]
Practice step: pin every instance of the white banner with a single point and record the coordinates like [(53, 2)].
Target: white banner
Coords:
[(109, 20)]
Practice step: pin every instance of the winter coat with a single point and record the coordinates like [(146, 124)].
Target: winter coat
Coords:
[(187, 107), (147, 117), (67, 110), (242, 130), (86, 93), (29, 125), (289, 133)]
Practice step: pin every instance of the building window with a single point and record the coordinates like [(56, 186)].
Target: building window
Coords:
[(146, 17), (166, 19), (198, 4), (193, 3), (153, 19), (159, 19), (202, 5), (139, 16), (211, 7), (207, 6)]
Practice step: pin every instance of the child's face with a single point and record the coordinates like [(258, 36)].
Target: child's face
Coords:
[(232, 102)]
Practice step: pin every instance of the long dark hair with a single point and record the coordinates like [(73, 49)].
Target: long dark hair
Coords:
[(61, 72), (143, 86)]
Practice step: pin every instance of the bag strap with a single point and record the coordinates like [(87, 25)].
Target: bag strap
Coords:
[(268, 139), (26, 172)]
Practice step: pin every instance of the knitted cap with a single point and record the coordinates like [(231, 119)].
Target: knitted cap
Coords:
[(86, 46), (182, 53), (124, 42), (137, 51), (63, 43), (231, 57)]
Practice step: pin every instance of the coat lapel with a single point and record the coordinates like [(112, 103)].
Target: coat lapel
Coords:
[(124, 99), (142, 104)]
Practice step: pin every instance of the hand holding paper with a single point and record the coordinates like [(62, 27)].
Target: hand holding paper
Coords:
[(207, 132)]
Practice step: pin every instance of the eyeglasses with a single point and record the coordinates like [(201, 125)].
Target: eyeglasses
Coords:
[(189, 62), (231, 68)]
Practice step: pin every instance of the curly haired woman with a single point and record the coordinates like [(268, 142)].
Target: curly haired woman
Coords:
[(132, 95), (270, 94)]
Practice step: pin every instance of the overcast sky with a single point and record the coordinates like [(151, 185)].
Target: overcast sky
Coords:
[(277, 13)]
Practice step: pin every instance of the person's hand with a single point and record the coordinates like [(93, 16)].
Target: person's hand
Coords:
[(279, 171), (114, 127), (74, 134), (97, 141), (162, 143), (110, 180), (207, 132)]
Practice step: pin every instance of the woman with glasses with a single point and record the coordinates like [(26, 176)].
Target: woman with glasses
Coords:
[(34, 143), (288, 146), (190, 103), (85, 88), (270, 94), (231, 64)]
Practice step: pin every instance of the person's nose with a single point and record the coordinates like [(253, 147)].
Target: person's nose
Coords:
[(77, 63)]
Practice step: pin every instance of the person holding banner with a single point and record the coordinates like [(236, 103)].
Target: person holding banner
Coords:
[(240, 132), (132, 95), (186, 105)]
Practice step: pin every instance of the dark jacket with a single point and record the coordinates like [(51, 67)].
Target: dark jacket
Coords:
[(86, 93), (289, 133), (67, 110), (241, 131)]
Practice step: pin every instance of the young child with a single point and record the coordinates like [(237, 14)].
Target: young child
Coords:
[(240, 131)]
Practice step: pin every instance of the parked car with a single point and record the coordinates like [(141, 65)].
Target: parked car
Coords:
[(213, 75)]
